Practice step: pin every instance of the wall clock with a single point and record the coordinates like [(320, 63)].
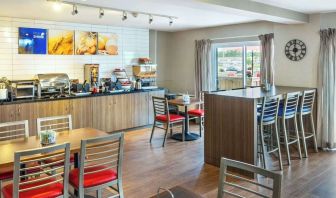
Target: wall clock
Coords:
[(295, 50)]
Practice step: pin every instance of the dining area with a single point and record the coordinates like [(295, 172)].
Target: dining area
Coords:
[(59, 161)]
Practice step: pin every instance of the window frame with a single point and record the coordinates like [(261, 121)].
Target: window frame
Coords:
[(231, 43)]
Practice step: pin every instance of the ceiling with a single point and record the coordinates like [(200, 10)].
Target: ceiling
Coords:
[(191, 13), (305, 6)]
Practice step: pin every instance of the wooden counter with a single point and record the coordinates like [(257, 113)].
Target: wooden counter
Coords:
[(107, 113), (231, 123)]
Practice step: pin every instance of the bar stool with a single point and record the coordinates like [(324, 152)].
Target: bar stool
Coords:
[(306, 109), (198, 113), (162, 116), (267, 120), (287, 112)]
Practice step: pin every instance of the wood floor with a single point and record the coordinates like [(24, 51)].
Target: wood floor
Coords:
[(149, 166)]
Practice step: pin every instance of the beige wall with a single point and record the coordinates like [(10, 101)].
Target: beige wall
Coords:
[(175, 51)]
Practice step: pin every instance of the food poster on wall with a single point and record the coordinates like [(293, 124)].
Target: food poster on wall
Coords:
[(86, 43), (32, 41), (61, 42), (107, 44)]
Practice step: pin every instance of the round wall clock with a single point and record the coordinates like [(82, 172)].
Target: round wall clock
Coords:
[(295, 50)]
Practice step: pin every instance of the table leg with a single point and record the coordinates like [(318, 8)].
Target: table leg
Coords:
[(188, 136)]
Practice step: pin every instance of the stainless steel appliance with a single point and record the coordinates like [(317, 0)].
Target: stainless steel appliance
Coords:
[(91, 74), (147, 74), (23, 89), (3, 91), (53, 85)]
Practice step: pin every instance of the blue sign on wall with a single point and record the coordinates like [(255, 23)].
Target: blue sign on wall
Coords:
[(32, 41)]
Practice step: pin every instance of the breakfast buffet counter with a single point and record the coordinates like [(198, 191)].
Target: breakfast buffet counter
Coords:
[(105, 111)]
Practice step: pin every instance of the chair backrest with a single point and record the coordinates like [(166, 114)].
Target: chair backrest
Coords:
[(14, 130), (100, 154), (38, 157), (160, 106), (263, 190), (307, 101), (269, 109), (290, 105), (56, 123)]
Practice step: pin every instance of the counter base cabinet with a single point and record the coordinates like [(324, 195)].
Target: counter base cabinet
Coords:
[(107, 113)]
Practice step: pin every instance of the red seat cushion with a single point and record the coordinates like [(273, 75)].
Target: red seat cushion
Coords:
[(7, 173), (173, 118), (196, 112), (93, 179), (51, 160), (49, 191)]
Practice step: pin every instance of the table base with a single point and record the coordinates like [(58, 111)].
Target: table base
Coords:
[(188, 136)]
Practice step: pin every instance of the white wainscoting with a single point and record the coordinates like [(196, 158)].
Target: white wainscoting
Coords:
[(133, 43)]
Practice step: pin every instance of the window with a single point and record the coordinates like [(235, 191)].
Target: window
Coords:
[(237, 64)]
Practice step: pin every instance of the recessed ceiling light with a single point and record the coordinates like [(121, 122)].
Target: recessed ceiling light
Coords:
[(57, 6)]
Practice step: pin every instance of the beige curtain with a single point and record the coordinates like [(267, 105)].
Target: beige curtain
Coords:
[(202, 66), (267, 58), (326, 88)]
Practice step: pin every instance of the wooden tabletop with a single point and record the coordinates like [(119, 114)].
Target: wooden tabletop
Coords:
[(74, 137), (180, 102), (258, 92)]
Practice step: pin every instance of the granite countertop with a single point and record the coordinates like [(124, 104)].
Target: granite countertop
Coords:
[(21, 101), (258, 92)]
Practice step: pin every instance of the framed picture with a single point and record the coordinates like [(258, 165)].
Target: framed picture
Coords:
[(86, 43), (107, 44), (32, 41), (60, 42)]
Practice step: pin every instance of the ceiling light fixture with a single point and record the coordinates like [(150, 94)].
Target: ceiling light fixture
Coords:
[(135, 14), (150, 19), (171, 21), (57, 6), (124, 17), (101, 13), (74, 9)]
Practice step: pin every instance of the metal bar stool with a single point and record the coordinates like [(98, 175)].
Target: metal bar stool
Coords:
[(267, 121), (287, 112), (306, 109)]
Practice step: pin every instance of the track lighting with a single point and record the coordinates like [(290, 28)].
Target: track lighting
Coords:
[(124, 17), (101, 13), (150, 19), (170, 21), (74, 10)]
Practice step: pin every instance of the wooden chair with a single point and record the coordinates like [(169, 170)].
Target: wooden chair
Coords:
[(10, 131), (39, 183), (162, 116), (198, 113), (268, 139), (287, 112), (263, 190), (306, 109), (56, 123), (100, 165)]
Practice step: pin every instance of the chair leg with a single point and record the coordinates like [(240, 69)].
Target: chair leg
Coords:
[(150, 140), (263, 146), (165, 136), (297, 136), (286, 140), (120, 189), (303, 136), (200, 126), (313, 131), (99, 193), (81, 193), (278, 144), (0, 189), (183, 130)]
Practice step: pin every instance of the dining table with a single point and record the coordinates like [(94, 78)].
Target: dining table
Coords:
[(188, 135), (74, 137)]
